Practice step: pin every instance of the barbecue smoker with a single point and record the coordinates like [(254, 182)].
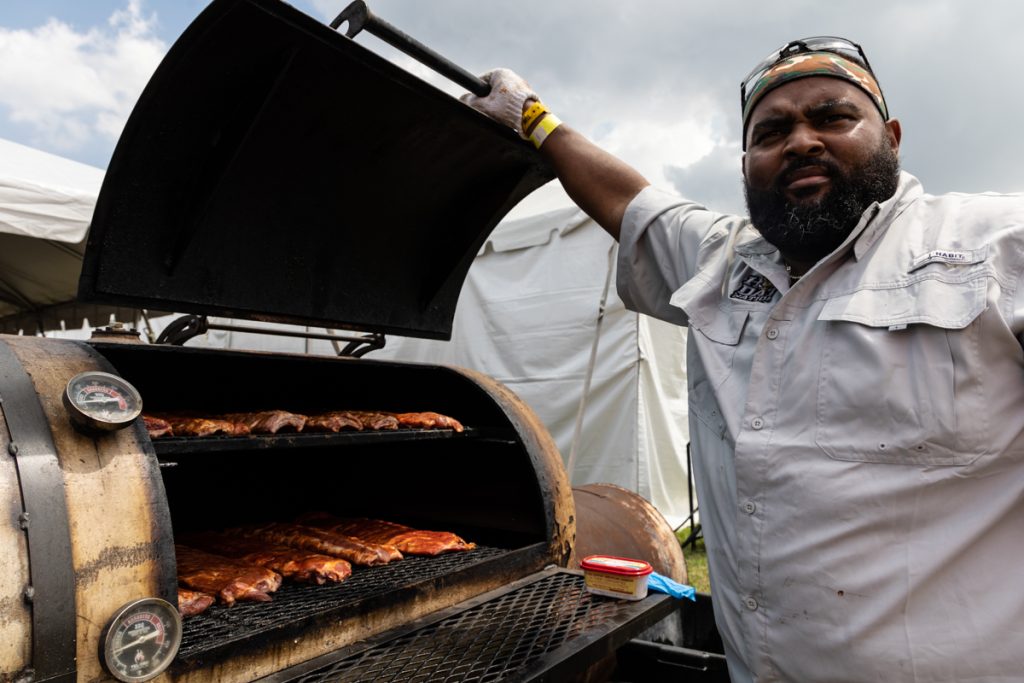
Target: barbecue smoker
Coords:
[(259, 178)]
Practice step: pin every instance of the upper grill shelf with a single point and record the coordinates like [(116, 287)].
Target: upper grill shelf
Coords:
[(183, 445)]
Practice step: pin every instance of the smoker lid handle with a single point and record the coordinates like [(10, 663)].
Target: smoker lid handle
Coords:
[(359, 18)]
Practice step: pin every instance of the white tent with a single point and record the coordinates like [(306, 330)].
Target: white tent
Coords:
[(46, 203), (45, 196), (539, 313)]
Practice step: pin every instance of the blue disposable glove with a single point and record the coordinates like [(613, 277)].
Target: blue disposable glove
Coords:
[(663, 584)]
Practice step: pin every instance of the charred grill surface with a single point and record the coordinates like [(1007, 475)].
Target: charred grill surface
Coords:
[(538, 630), (220, 630)]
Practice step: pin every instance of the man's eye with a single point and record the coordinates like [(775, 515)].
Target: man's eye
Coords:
[(767, 136)]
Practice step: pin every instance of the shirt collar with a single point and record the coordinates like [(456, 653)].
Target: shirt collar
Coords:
[(907, 191)]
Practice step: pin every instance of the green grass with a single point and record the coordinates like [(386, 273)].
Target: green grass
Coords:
[(696, 562)]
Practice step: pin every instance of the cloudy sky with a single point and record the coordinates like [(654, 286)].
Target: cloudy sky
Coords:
[(654, 81)]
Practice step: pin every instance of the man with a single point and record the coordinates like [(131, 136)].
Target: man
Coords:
[(856, 379)]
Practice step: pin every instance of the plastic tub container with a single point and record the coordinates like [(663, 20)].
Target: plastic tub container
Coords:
[(616, 577)]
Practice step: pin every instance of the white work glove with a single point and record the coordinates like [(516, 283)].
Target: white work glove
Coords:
[(505, 102)]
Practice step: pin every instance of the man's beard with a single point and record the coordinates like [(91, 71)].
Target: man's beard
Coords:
[(809, 232)]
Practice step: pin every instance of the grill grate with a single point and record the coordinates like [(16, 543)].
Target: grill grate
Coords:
[(190, 445), (489, 642), (294, 604)]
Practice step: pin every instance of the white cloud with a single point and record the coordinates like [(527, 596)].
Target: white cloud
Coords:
[(650, 145), (68, 86)]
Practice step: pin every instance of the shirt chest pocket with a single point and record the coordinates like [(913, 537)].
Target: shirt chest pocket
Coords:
[(898, 382), (715, 333)]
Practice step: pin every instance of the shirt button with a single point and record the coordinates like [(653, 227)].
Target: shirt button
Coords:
[(749, 507), (772, 333), (757, 423), (750, 603)]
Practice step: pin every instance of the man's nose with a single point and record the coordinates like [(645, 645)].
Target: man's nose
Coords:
[(803, 140)]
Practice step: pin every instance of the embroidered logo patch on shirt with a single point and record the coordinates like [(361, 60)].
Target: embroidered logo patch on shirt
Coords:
[(755, 288), (951, 256)]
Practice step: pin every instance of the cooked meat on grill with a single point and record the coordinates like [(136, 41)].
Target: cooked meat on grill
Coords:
[(269, 421), (408, 540), (334, 421), (292, 563), (186, 425), (354, 550), (375, 420), (427, 420), (230, 580), (191, 603), (157, 427)]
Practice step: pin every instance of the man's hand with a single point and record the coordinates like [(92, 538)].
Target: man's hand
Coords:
[(505, 102), (599, 183)]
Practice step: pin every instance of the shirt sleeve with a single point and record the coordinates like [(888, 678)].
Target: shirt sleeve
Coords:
[(1017, 314), (664, 241)]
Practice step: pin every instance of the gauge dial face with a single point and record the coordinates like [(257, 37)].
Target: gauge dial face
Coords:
[(101, 400), (142, 639)]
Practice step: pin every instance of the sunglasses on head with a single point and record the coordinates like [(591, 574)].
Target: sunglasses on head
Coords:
[(840, 46)]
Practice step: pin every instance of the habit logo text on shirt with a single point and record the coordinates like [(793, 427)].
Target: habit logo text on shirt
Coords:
[(950, 256), (755, 288)]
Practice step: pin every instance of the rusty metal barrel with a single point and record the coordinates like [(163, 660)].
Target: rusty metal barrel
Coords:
[(86, 522), (611, 520)]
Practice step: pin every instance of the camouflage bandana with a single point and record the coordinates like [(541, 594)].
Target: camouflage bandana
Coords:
[(814, 64)]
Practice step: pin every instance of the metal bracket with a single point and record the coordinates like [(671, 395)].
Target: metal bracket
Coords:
[(51, 570), (360, 346), (186, 327), (180, 330)]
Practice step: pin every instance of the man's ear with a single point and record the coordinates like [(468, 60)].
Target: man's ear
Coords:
[(895, 133), (743, 165)]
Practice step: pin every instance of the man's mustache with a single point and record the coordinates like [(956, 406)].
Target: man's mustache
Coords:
[(830, 168)]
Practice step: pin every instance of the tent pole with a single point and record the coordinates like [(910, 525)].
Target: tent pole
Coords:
[(578, 429)]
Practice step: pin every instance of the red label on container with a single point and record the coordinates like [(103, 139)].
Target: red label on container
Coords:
[(616, 565)]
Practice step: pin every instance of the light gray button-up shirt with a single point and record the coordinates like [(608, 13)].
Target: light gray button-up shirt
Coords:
[(858, 437)]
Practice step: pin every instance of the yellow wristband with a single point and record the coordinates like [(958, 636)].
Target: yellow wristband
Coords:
[(543, 129), (534, 112)]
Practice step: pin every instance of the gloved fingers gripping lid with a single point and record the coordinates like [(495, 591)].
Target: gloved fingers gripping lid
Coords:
[(506, 101)]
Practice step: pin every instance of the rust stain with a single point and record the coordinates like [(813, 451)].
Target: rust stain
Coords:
[(10, 607), (116, 558)]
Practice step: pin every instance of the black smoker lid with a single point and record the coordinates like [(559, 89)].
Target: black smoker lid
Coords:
[(274, 169)]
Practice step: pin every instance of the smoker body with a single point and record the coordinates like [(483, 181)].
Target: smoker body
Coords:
[(499, 483)]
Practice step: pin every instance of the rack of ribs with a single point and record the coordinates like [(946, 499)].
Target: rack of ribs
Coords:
[(408, 540), (375, 420), (356, 551), (230, 580), (295, 564), (333, 421), (186, 425), (191, 603), (427, 420), (157, 427), (269, 421)]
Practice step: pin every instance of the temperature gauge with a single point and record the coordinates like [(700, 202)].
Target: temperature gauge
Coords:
[(101, 402), (141, 640)]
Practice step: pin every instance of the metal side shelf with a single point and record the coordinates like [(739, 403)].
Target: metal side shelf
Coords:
[(540, 628)]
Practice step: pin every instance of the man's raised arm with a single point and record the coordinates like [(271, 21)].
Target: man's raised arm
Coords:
[(600, 184)]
